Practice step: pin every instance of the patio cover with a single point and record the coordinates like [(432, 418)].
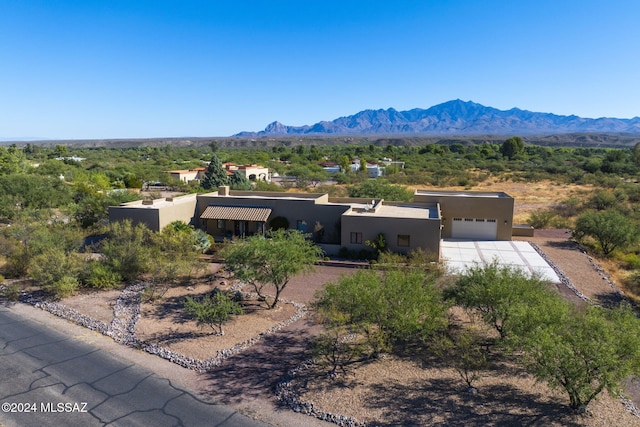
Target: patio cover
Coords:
[(236, 213)]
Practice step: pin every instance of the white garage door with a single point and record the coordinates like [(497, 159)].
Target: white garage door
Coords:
[(474, 228)]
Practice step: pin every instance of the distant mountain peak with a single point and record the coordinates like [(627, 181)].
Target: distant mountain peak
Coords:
[(455, 117)]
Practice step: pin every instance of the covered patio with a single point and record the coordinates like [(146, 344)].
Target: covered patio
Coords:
[(227, 222)]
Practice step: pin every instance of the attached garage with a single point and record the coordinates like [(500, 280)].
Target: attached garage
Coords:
[(474, 228)]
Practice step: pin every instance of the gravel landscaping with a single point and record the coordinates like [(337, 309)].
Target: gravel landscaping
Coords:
[(391, 391)]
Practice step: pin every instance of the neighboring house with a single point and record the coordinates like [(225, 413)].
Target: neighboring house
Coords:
[(188, 175), (393, 163), (252, 172), (337, 222), (375, 170)]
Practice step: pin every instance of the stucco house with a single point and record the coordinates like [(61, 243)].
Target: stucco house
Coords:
[(252, 172), (336, 222)]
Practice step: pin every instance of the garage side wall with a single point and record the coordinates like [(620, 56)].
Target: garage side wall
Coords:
[(499, 208)]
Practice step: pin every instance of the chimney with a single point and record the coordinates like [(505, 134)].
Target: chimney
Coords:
[(223, 190)]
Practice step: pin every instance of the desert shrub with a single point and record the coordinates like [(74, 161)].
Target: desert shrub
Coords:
[(540, 218), (631, 261), (11, 292), (52, 266), (153, 292), (464, 352), (63, 287), (568, 207), (559, 222), (101, 276), (213, 310), (632, 283)]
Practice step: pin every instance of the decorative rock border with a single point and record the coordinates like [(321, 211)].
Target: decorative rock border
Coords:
[(561, 274), (286, 394), (127, 313)]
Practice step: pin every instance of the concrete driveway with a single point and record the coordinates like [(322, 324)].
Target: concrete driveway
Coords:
[(461, 254)]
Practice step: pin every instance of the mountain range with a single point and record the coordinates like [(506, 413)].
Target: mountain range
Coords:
[(453, 118)]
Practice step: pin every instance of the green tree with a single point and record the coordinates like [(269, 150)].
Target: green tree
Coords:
[(239, 181), (512, 147), (609, 228), (271, 261), (12, 160), (376, 188), (501, 295), (215, 176), (464, 352), (387, 307), (586, 354), (602, 200), (213, 310), (635, 153)]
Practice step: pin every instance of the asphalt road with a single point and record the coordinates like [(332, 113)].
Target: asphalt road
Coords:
[(49, 379)]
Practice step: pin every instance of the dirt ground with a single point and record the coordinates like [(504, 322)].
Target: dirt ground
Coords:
[(387, 392), (392, 391)]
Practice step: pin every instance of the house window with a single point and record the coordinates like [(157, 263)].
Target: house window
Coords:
[(301, 226), (221, 224), (404, 240), (356, 237)]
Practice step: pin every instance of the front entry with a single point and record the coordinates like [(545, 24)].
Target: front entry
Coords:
[(241, 228)]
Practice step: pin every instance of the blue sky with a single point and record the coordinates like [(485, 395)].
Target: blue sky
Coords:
[(75, 69)]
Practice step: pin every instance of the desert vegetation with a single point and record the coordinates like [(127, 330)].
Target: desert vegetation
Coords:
[(55, 239)]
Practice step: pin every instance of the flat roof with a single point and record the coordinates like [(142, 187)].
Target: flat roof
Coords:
[(158, 203), (496, 194), (273, 195), (396, 211)]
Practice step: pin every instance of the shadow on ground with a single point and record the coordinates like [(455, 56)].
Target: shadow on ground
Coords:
[(257, 371), (440, 403)]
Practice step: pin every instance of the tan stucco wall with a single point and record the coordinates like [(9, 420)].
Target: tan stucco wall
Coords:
[(137, 215), (158, 214), (424, 233), (497, 206)]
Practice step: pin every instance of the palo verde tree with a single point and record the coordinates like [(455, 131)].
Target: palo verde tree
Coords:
[(271, 261), (609, 228), (589, 352), (384, 308), (502, 295)]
